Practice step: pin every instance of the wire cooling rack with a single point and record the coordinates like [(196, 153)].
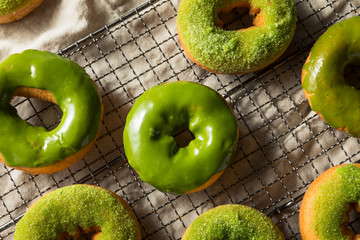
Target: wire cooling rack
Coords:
[(283, 145)]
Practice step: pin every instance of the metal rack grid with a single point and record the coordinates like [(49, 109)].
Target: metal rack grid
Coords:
[(283, 145)]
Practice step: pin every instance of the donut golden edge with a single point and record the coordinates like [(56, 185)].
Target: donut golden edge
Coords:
[(20, 13), (307, 209)]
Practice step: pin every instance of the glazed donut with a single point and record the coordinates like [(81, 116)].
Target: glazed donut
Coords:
[(152, 150), (231, 52), (77, 209), (16, 9), (232, 221), (327, 202), (323, 81), (56, 79)]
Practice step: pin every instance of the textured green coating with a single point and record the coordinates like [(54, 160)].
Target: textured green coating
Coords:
[(235, 51), (332, 201), (22, 144), (68, 208), (154, 153), (233, 222), (9, 6), (330, 95)]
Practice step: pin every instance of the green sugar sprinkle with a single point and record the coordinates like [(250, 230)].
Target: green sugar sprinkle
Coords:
[(8, 6), (333, 200), (233, 222), (68, 208), (235, 51)]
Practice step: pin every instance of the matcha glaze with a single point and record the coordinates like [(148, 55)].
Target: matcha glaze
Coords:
[(323, 76), (152, 150), (22, 144)]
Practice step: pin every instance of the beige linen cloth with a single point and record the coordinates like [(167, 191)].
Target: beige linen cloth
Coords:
[(57, 23)]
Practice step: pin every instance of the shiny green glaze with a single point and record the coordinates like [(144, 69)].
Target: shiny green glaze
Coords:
[(332, 201), (153, 152), (68, 208), (24, 145), (330, 95), (235, 51), (9, 6), (233, 222)]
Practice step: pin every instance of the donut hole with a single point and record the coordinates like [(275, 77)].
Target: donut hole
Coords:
[(40, 112), (239, 16), (81, 234), (183, 136), (352, 75), (353, 219)]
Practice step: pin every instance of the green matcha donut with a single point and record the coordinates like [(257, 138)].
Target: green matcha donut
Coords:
[(232, 222), (231, 52), (76, 208), (152, 150), (324, 211), (11, 10), (323, 81), (53, 78)]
